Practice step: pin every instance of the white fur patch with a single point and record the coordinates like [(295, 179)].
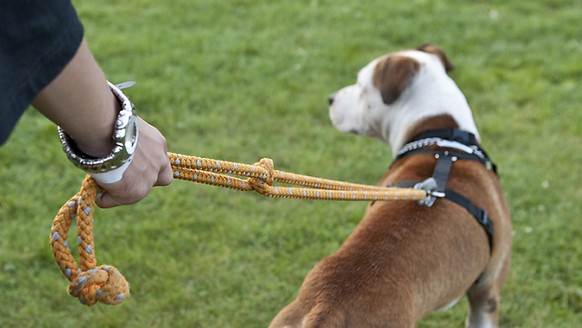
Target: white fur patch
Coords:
[(359, 107)]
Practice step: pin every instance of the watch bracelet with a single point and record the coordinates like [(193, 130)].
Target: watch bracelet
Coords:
[(119, 154)]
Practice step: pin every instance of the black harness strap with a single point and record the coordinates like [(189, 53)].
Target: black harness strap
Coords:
[(419, 144), (444, 164), (480, 215), (464, 137), (442, 170)]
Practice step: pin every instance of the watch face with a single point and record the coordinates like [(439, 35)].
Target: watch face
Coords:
[(131, 135)]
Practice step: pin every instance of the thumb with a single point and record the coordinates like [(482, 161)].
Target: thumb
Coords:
[(105, 200)]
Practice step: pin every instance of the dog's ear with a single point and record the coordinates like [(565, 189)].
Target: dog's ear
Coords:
[(428, 48), (392, 75)]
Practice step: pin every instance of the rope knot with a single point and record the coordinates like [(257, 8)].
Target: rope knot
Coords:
[(103, 284), (264, 183)]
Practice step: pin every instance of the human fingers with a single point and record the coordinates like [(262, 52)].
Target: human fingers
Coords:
[(150, 167)]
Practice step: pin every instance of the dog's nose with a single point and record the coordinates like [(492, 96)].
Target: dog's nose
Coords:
[(331, 97)]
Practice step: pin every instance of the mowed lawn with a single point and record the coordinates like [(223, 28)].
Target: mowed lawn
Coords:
[(240, 80)]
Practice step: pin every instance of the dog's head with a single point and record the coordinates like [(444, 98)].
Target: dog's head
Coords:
[(395, 92)]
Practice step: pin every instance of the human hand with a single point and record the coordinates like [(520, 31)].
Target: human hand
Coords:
[(150, 167)]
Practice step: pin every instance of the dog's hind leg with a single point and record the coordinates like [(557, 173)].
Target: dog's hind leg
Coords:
[(484, 311), (484, 298)]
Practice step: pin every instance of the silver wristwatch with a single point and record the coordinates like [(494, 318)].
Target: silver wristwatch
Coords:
[(125, 137)]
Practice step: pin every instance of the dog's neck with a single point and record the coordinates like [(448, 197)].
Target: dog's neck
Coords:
[(439, 122), (430, 97), (399, 137)]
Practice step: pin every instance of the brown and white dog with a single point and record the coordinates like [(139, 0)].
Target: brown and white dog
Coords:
[(405, 260)]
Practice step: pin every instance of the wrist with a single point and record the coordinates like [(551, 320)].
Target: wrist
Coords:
[(108, 168), (99, 142)]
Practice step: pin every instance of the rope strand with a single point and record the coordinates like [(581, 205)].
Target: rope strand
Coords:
[(91, 283), (261, 175)]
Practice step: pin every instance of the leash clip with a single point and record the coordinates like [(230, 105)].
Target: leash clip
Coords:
[(430, 186)]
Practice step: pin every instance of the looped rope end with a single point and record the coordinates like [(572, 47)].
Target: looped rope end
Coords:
[(89, 283), (103, 284)]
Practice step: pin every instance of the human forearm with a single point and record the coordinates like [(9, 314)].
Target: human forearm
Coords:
[(80, 101)]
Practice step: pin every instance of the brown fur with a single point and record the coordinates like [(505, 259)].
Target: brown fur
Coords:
[(392, 76), (428, 48), (405, 260)]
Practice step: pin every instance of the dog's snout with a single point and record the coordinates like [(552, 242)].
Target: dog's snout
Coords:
[(331, 97)]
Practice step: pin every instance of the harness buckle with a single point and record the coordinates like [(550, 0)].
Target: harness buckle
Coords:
[(430, 186)]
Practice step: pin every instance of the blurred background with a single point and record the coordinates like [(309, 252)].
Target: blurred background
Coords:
[(240, 80)]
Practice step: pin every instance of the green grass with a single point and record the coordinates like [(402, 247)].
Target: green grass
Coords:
[(240, 80)]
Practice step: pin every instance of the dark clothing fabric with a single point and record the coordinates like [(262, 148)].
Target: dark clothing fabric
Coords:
[(37, 39)]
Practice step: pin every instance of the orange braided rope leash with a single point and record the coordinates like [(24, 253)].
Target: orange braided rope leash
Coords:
[(89, 283), (261, 175), (92, 284)]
